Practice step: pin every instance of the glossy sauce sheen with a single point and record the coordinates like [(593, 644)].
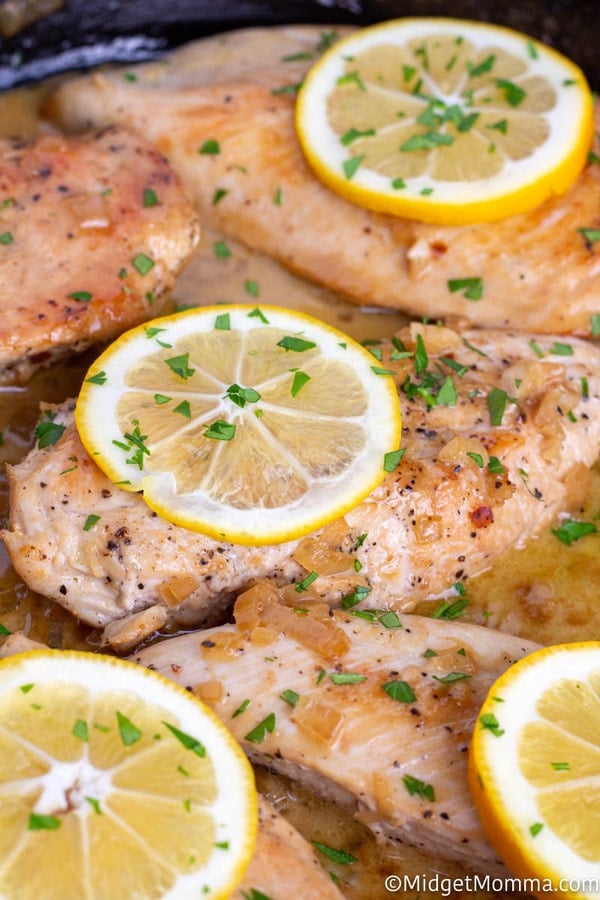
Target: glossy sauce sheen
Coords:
[(545, 592)]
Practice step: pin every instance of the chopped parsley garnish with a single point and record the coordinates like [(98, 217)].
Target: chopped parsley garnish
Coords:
[(90, 522), (130, 734), (220, 431), (590, 235), (561, 349), (360, 593), (6, 238), (472, 288), (347, 677), (513, 94), (338, 856), (218, 195), (80, 730), (351, 166), (223, 322), (300, 379), (390, 619), (210, 148), (391, 460), (290, 697), (451, 677), (306, 582), (535, 829), (490, 722), (252, 288), (82, 296), (47, 431), (571, 530), (95, 804), (416, 787), (450, 609), (184, 409), (497, 400), (257, 313), (4, 630), (495, 466), (187, 741), (142, 263), (38, 822), (259, 733), (400, 691), (180, 365), (296, 344), (150, 198), (98, 378), (221, 249), (240, 395)]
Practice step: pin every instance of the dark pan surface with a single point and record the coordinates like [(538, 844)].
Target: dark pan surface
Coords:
[(88, 32)]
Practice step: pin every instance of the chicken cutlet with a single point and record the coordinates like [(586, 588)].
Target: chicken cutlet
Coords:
[(228, 130), (378, 718), (499, 432), (284, 864), (93, 231)]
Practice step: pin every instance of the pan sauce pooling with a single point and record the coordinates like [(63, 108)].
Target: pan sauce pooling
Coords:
[(546, 592)]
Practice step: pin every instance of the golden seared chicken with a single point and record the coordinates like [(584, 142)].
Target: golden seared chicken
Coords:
[(234, 96), (284, 863), (377, 714), (93, 231), (499, 432)]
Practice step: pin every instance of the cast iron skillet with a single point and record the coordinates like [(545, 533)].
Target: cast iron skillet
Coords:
[(88, 32)]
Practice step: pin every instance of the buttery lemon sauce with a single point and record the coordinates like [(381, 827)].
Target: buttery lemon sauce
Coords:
[(546, 591)]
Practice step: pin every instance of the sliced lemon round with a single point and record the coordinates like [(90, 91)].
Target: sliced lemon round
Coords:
[(116, 784), (250, 424), (534, 769), (444, 120)]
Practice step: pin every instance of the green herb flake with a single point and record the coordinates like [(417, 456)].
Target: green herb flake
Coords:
[(210, 147), (240, 395), (259, 733), (428, 654), (390, 619), (38, 822), (482, 68), (416, 787), (290, 697), (299, 380), (561, 766), (535, 829), (360, 593), (142, 263), (252, 288), (571, 530), (82, 296), (338, 856), (347, 678), (490, 723), (296, 344), (351, 166), (183, 409), (98, 378), (161, 399), (220, 430), (255, 894), (513, 94), (95, 804), (26, 688), (354, 133), (256, 313), (472, 288), (450, 609), (47, 431), (223, 322), (218, 195), (180, 365), (221, 250), (495, 466), (392, 459), (497, 400), (187, 741), (150, 198), (451, 677), (447, 394), (128, 731), (559, 348), (306, 582), (6, 238), (400, 691), (4, 630), (90, 522), (590, 235)]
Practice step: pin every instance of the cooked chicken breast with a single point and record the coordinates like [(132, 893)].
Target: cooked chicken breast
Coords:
[(376, 717), (465, 490), (284, 864), (537, 270), (93, 231)]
